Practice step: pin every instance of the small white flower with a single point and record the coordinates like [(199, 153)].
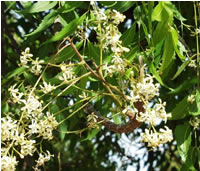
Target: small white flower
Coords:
[(31, 104), (83, 95), (92, 120), (117, 17), (192, 63), (16, 95), (47, 87), (25, 57), (165, 135), (36, 67), (195, 122), (191, 98), (68, 73), (43, 158), (34, 127)]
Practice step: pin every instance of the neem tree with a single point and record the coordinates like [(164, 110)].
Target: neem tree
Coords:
[(88, 68)]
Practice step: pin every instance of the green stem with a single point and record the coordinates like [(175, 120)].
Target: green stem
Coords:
[(74, 82), (72, 114), (197, 42)]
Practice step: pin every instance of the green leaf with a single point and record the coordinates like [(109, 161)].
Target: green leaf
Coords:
[(67, 30), (77, 4), (46, 22), (187, 84), (10, 5), (117, 119), (62, 127), (91, 134), (128, 36), (163, 12), (39, 7), (177, 14), (181, 110), (168, 53), (107, 58), (182, 67), (186, 152), (146, 32), (108, 3), (175, 43), (67, 53), (30, 78), (194, 108), (156, 75), (94, 52), (160, 32), (13, 73), (164, 15), (122, 6), (157, 12), (183, 139), (132, 53)]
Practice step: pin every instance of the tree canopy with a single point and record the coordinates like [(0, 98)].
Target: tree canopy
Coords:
[(79, 79)]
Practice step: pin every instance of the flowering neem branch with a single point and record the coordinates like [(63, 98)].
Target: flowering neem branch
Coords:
[(124, 128)]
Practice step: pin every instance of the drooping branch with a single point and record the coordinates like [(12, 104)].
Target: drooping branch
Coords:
[(118, 128)]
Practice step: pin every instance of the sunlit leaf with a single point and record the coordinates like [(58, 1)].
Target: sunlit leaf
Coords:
[(117, 119), (174, 35), (183, 139), (108, 3), (39, 7), (122, 6)]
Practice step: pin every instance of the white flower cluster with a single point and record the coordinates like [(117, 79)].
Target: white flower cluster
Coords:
[(154, 139), (21, 135), (192, 64), (26, 56), (195, 122), (67, 72), (47, 87), (144, 90), (42, 159), (92, 120), (109, 36), (153, 115), (8, 163)]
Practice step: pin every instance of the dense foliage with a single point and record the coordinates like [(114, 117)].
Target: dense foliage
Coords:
[(74, 73)]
